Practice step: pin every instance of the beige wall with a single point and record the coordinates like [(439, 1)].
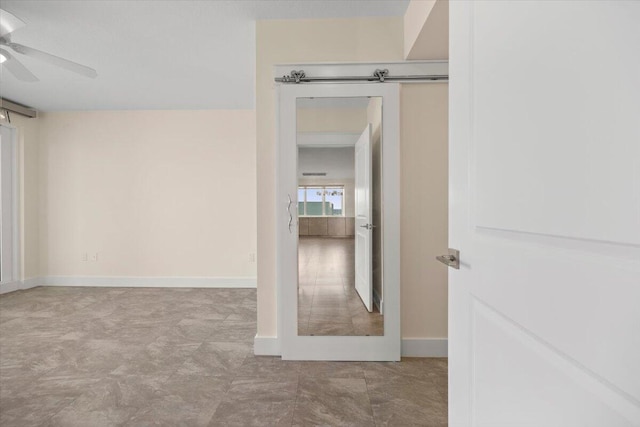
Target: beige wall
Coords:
[(331, 119), (424, 209), (426, 29), (154, 193), (415, 18)]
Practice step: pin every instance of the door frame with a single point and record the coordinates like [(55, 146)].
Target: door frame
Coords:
[(11, 149), (294, 347)]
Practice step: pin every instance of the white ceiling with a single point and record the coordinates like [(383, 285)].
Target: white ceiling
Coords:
[(155, 54)]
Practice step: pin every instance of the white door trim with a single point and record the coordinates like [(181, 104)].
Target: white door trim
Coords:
[(10, 148), (385, 347)]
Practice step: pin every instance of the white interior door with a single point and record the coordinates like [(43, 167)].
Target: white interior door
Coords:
[(545, 210), (363, 214)]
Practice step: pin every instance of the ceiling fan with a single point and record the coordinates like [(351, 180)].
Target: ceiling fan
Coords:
[(8, 24)]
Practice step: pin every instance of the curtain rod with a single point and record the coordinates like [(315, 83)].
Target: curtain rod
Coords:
[(380, 76), (5, 104)]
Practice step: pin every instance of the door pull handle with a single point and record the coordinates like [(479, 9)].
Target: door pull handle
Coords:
[(452, 259), (289, 212)]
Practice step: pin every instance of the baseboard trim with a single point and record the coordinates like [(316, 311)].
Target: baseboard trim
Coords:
[(131, 282), (266, 346), (19, 285), (425, 347), (5, 288), (411, 347), (31, 283), (150, 282)]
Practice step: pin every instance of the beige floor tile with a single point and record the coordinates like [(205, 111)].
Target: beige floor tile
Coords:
[(333, 402), (142, 357)]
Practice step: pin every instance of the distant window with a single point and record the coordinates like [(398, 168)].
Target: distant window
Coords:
[(314, 200)]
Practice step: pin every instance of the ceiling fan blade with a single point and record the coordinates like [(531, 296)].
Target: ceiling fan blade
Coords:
[(9, 23), (16, 68), (54, 60)]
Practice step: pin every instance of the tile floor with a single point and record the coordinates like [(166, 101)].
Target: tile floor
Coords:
[(328, 303), (95, 357)]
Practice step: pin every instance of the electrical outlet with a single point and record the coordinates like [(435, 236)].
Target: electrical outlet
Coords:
[(84, 256), (94, 257), (252, 257)]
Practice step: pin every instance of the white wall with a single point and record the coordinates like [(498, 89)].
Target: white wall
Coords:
[(154, 193), (337, 162)]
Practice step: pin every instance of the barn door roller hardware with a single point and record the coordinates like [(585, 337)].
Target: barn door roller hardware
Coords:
[(380, 76)]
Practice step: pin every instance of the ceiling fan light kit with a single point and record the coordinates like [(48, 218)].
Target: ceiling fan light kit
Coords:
[(10, 23)]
